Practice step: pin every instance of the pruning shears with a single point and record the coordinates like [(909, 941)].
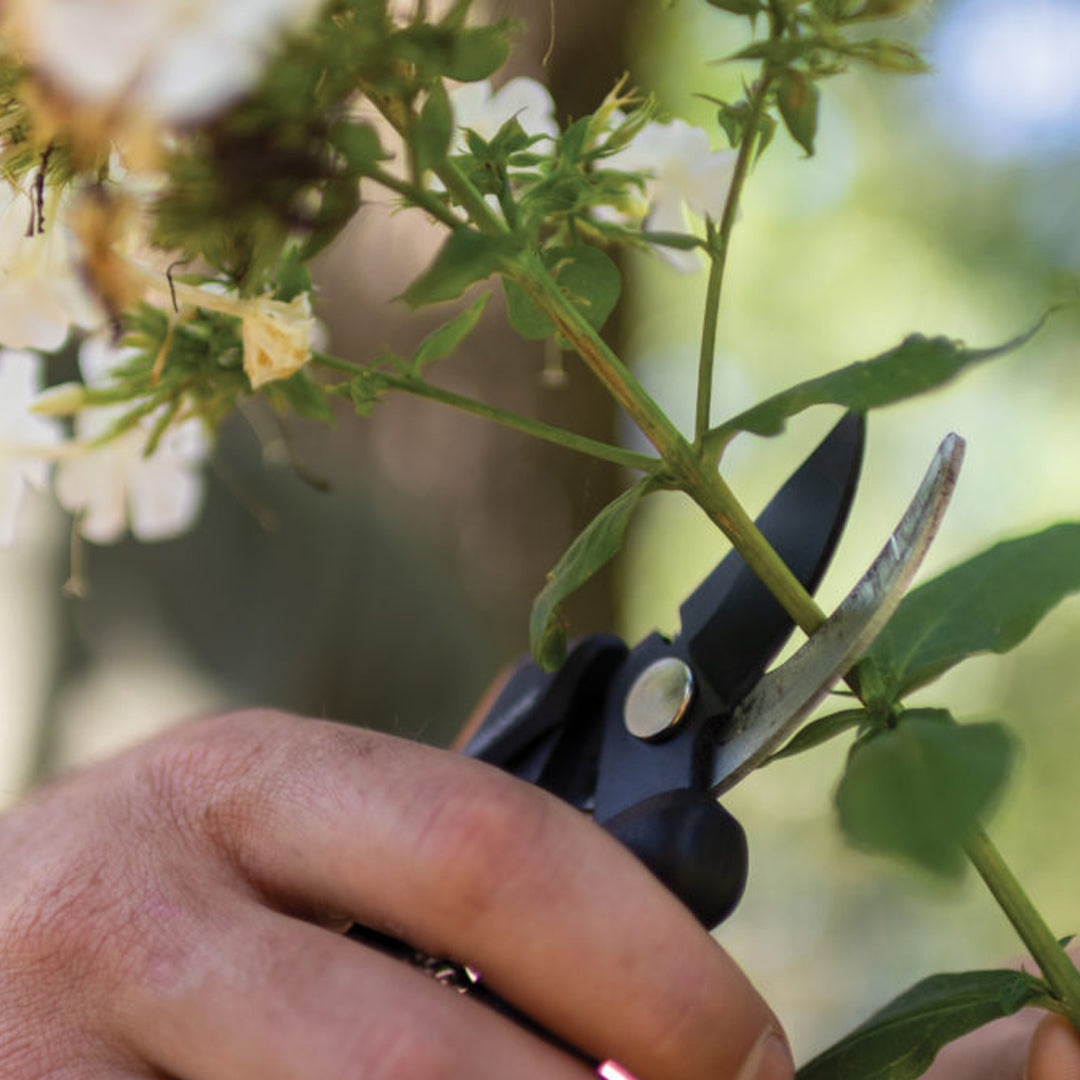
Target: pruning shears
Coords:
[(646, 739)]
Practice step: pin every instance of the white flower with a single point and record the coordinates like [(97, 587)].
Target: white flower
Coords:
[(115, 486), (277, 338), (682, 171), (41, 292), (476, 106), (178, 60), (21, 434)]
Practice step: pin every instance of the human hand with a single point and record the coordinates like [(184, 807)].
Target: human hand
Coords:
[(172, 912)]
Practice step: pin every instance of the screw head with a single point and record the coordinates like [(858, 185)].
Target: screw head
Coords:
[(659, 698)]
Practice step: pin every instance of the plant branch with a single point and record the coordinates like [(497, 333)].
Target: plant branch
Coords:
[(1057, 968), (536, 428), (530, 273), (401, 118), (466, 193), (719, 242), (689, 471), (426, 200), (551, 433), (709, 490)]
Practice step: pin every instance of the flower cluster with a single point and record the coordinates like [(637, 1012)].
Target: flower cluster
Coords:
[(679, 170), (113, 84), (126, 71), (229, 141), (106, 475)]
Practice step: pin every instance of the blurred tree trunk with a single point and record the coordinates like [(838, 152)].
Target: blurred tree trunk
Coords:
[(509, 505)]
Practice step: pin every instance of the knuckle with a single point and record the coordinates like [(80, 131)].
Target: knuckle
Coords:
[(228, 780), (482, 840), (687, 1015), (702, 1017), (215, 778)]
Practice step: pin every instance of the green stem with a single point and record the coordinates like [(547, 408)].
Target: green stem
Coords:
[(401, 119), (466, 193), (536, 428), (1057, 968), (531, 274), (707, 359), (690, 472), (718, 253), (418, 195), (712, 494)]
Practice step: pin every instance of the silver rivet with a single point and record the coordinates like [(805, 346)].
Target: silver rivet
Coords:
[(659, 698)]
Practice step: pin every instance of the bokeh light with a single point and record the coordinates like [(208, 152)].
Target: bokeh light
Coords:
[(1009, 81)]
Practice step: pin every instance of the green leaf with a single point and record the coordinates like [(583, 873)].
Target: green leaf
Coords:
[(920, 789), (895, 57), (779, 52), (594, 547), (883, 9), (732, 118), (900, 1041), (798, 99), (365, 390), (821, 731), (738, 7), (358, 144), (442, 342), (293, 277), (340, 200), (988, 604), (304, 396), (479, 52), (431, 135), (915, 366), (590, 280), (466, 256), (454, 19)]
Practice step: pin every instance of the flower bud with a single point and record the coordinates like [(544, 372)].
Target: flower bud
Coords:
[(66, 399)]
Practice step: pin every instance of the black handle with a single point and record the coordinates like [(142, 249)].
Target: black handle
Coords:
[(693, 845), (459, 978)]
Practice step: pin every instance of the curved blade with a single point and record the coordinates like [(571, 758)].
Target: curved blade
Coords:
[(785, 697)]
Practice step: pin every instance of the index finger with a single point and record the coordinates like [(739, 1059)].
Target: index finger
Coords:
[(467, 862)]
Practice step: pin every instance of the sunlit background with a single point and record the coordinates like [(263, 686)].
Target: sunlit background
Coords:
[(943, 204)]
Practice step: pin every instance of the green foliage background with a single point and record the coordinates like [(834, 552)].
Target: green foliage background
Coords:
[(891, 228)]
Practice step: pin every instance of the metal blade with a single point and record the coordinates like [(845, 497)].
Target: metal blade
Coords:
[(785, 697), (732, 626)]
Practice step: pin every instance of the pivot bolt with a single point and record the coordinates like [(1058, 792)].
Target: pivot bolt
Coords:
[(659, 698)]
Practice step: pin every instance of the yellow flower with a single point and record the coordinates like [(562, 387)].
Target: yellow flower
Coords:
[(277, 338)]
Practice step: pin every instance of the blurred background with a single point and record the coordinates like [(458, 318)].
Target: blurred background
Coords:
[(387, 577)]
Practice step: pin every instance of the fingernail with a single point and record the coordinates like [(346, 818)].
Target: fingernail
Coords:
[(769, 1060)]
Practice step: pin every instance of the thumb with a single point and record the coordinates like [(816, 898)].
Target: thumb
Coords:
[(1054, 1053)]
